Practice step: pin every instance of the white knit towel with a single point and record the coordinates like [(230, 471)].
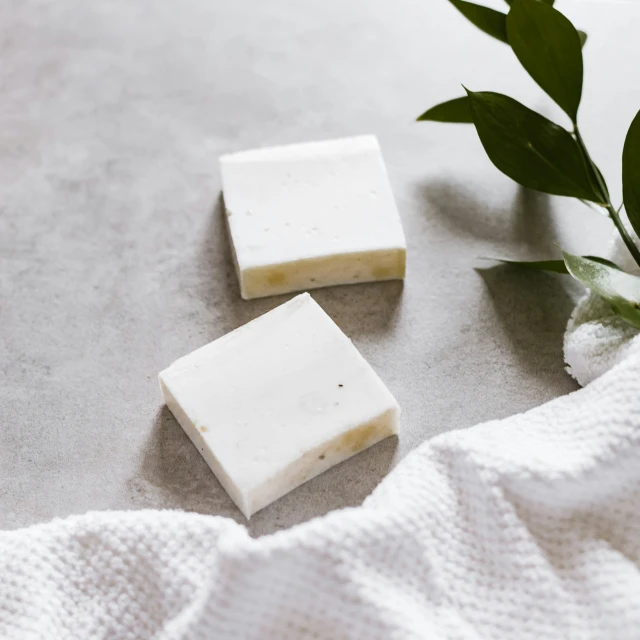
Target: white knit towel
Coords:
[(522, 528)]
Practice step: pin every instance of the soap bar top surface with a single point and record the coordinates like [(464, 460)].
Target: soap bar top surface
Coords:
[(266, 394), (312, 200)]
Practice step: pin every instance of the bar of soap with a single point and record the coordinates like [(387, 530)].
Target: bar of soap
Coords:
[(311, 215), (278, 401)]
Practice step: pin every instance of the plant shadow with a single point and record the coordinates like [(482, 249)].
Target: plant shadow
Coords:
[(532, 307), (527, 226)]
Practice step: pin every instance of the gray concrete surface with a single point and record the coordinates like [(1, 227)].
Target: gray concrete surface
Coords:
[(113, 259)]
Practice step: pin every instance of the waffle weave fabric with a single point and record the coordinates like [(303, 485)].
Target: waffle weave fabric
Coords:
[(527, 527)]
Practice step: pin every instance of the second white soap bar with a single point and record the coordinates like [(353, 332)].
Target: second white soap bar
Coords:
[(310, 215), (278, 401)]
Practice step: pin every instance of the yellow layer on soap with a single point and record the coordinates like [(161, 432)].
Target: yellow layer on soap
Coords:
[(311, 273), (323, 457)]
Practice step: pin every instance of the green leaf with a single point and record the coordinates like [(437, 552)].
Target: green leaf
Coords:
[(603, 261), (631, 174), (598, 183), (555, 266), (488, 20), (620, 289), (456, 110), (548, 47), (583, 36), (528, 148)]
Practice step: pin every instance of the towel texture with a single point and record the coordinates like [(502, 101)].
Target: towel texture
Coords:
[(523, 528)]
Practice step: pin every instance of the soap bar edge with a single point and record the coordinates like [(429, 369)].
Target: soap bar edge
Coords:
[(390, 426), (196, 438)]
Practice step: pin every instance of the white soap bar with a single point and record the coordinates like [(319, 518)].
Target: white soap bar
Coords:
[(312, 215), (278, 401)]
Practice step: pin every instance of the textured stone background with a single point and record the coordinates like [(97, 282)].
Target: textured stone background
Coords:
[(113, 260)]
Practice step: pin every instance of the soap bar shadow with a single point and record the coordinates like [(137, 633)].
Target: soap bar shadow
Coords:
[(368, 309), (174, 475)]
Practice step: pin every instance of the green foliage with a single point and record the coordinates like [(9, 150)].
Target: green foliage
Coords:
[(548, 47), (620, 289), (528, 147), (631, 174), (540, 154), (488, 20), (494, 22), (554, 266), (456, 110)]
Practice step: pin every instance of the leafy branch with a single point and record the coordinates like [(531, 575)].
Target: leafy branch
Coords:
[(540, 154)]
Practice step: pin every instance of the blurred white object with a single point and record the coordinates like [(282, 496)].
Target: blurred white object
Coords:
[(596, 338)]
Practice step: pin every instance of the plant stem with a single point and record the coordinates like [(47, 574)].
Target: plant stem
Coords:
[(624, 234), (604, 192), (613, 213)]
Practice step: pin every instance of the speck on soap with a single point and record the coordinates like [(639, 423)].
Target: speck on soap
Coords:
[(311, 215), (278, 401)]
